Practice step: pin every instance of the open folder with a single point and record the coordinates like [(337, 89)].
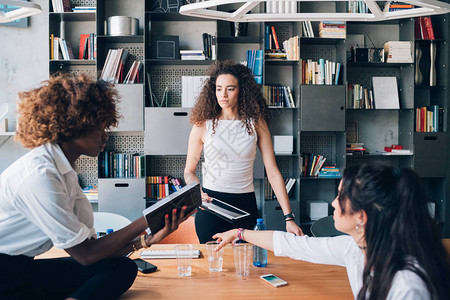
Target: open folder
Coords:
[(224, 210)]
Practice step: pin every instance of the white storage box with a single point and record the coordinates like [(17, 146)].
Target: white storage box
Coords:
[(283, 144), (317, 209)]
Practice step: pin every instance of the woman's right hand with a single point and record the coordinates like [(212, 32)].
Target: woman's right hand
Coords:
[(225, 238), (205, 197)]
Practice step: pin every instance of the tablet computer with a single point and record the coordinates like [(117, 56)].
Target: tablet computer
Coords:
[(224, 210)]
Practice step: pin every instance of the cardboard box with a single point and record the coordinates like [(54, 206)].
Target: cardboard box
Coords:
[(317, 209), (283, 144)]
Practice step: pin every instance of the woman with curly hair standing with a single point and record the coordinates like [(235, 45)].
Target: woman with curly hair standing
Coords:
[(229, 121), (42, 205)]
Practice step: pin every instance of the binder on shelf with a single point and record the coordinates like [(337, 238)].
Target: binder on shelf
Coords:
[(385, 92)]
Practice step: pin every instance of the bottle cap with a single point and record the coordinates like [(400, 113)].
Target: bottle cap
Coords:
[(109, 230), (260, 221)]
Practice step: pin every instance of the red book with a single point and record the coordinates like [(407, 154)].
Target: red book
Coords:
[(429, 28), (84, 38), (275, 39), (423, 29)]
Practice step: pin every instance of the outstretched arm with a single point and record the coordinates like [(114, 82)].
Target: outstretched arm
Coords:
[(195, 149), (274, 175), (262, 239)]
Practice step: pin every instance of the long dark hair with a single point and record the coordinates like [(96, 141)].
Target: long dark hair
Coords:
[(251, 106), (400, 233)]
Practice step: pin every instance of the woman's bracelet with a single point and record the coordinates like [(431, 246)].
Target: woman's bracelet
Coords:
[(240, 234), (143, 243)]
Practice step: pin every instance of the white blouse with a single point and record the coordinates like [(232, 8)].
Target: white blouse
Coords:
[(42, 204), (343, 251), (229, 157)]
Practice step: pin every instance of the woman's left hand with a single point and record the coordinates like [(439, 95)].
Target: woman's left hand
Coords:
[(293, 228), (169, 227)]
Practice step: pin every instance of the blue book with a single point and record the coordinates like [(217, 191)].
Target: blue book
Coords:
[(257, 70), (321, 71), (435, 109), (267, 37), (338, 70)]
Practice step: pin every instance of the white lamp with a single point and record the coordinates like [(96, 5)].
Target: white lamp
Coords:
[(23, 9), (208, 9)]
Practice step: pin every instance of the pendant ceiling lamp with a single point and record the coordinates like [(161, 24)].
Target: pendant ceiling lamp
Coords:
[(211, 9), (19, 10)]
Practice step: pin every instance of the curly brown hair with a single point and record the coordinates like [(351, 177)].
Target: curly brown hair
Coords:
[(252, 105), (64, 108)]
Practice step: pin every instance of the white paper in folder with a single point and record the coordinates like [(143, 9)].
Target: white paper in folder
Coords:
[(385, 92), (191, 88)]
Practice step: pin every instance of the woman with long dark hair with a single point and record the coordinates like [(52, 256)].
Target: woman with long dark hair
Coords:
[(392, 250)]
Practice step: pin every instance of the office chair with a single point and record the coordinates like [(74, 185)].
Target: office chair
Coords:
[(324, 227), (106, 220)]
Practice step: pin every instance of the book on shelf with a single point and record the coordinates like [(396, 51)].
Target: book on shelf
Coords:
[(385, 92), (307, 29), (429, 118), (275, 39), (398, 51), (189, 196), (159, 187), (91, 193), (84, 9), (224, 210)]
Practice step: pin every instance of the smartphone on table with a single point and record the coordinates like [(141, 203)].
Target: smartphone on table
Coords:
[(144, 266), (273, 280)]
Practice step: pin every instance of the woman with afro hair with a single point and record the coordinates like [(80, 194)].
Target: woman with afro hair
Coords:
[(42, 205), (229, 121)]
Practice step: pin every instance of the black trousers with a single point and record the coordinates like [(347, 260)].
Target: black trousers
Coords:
[(23, 277), (208, 224)]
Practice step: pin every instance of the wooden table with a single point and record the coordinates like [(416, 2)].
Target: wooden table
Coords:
[(305, 280)]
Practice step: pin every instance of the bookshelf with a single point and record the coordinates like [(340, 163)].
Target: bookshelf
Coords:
[(317, 123)]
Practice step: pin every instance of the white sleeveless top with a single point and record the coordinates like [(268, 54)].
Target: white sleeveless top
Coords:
[(229, 155)]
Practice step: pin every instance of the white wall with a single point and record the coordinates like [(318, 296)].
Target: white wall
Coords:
[(23, 65)]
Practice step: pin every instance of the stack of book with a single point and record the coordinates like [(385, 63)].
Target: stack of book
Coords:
[(133, 73), (60, 6), (329, 172), (396, 5), (355, 148), (312, 164), (359, 97), (279, 96), (429, 118), (307, 29), (423, 28), (321, 72), (120, 165), (269, 193), (60, 48), (83, 9), (160, 187), (192, 55), (88, 46), (254, 60), (357, 7), (292, 48), (398, 52), (282, 7), (209, 46), (332, 29), (113, 68)]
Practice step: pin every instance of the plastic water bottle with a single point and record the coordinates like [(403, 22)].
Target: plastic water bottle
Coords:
[(259, 254)]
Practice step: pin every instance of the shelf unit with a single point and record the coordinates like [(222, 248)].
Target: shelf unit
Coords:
[(317, 123)]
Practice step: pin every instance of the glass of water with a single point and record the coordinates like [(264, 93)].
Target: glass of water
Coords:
[(184, 259), (215, 258)]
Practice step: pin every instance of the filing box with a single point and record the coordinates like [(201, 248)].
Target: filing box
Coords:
[(123, 196), (283, 144), (274, 217), (317, 209)]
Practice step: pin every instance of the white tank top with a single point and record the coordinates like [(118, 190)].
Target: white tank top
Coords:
[(229, 155)]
